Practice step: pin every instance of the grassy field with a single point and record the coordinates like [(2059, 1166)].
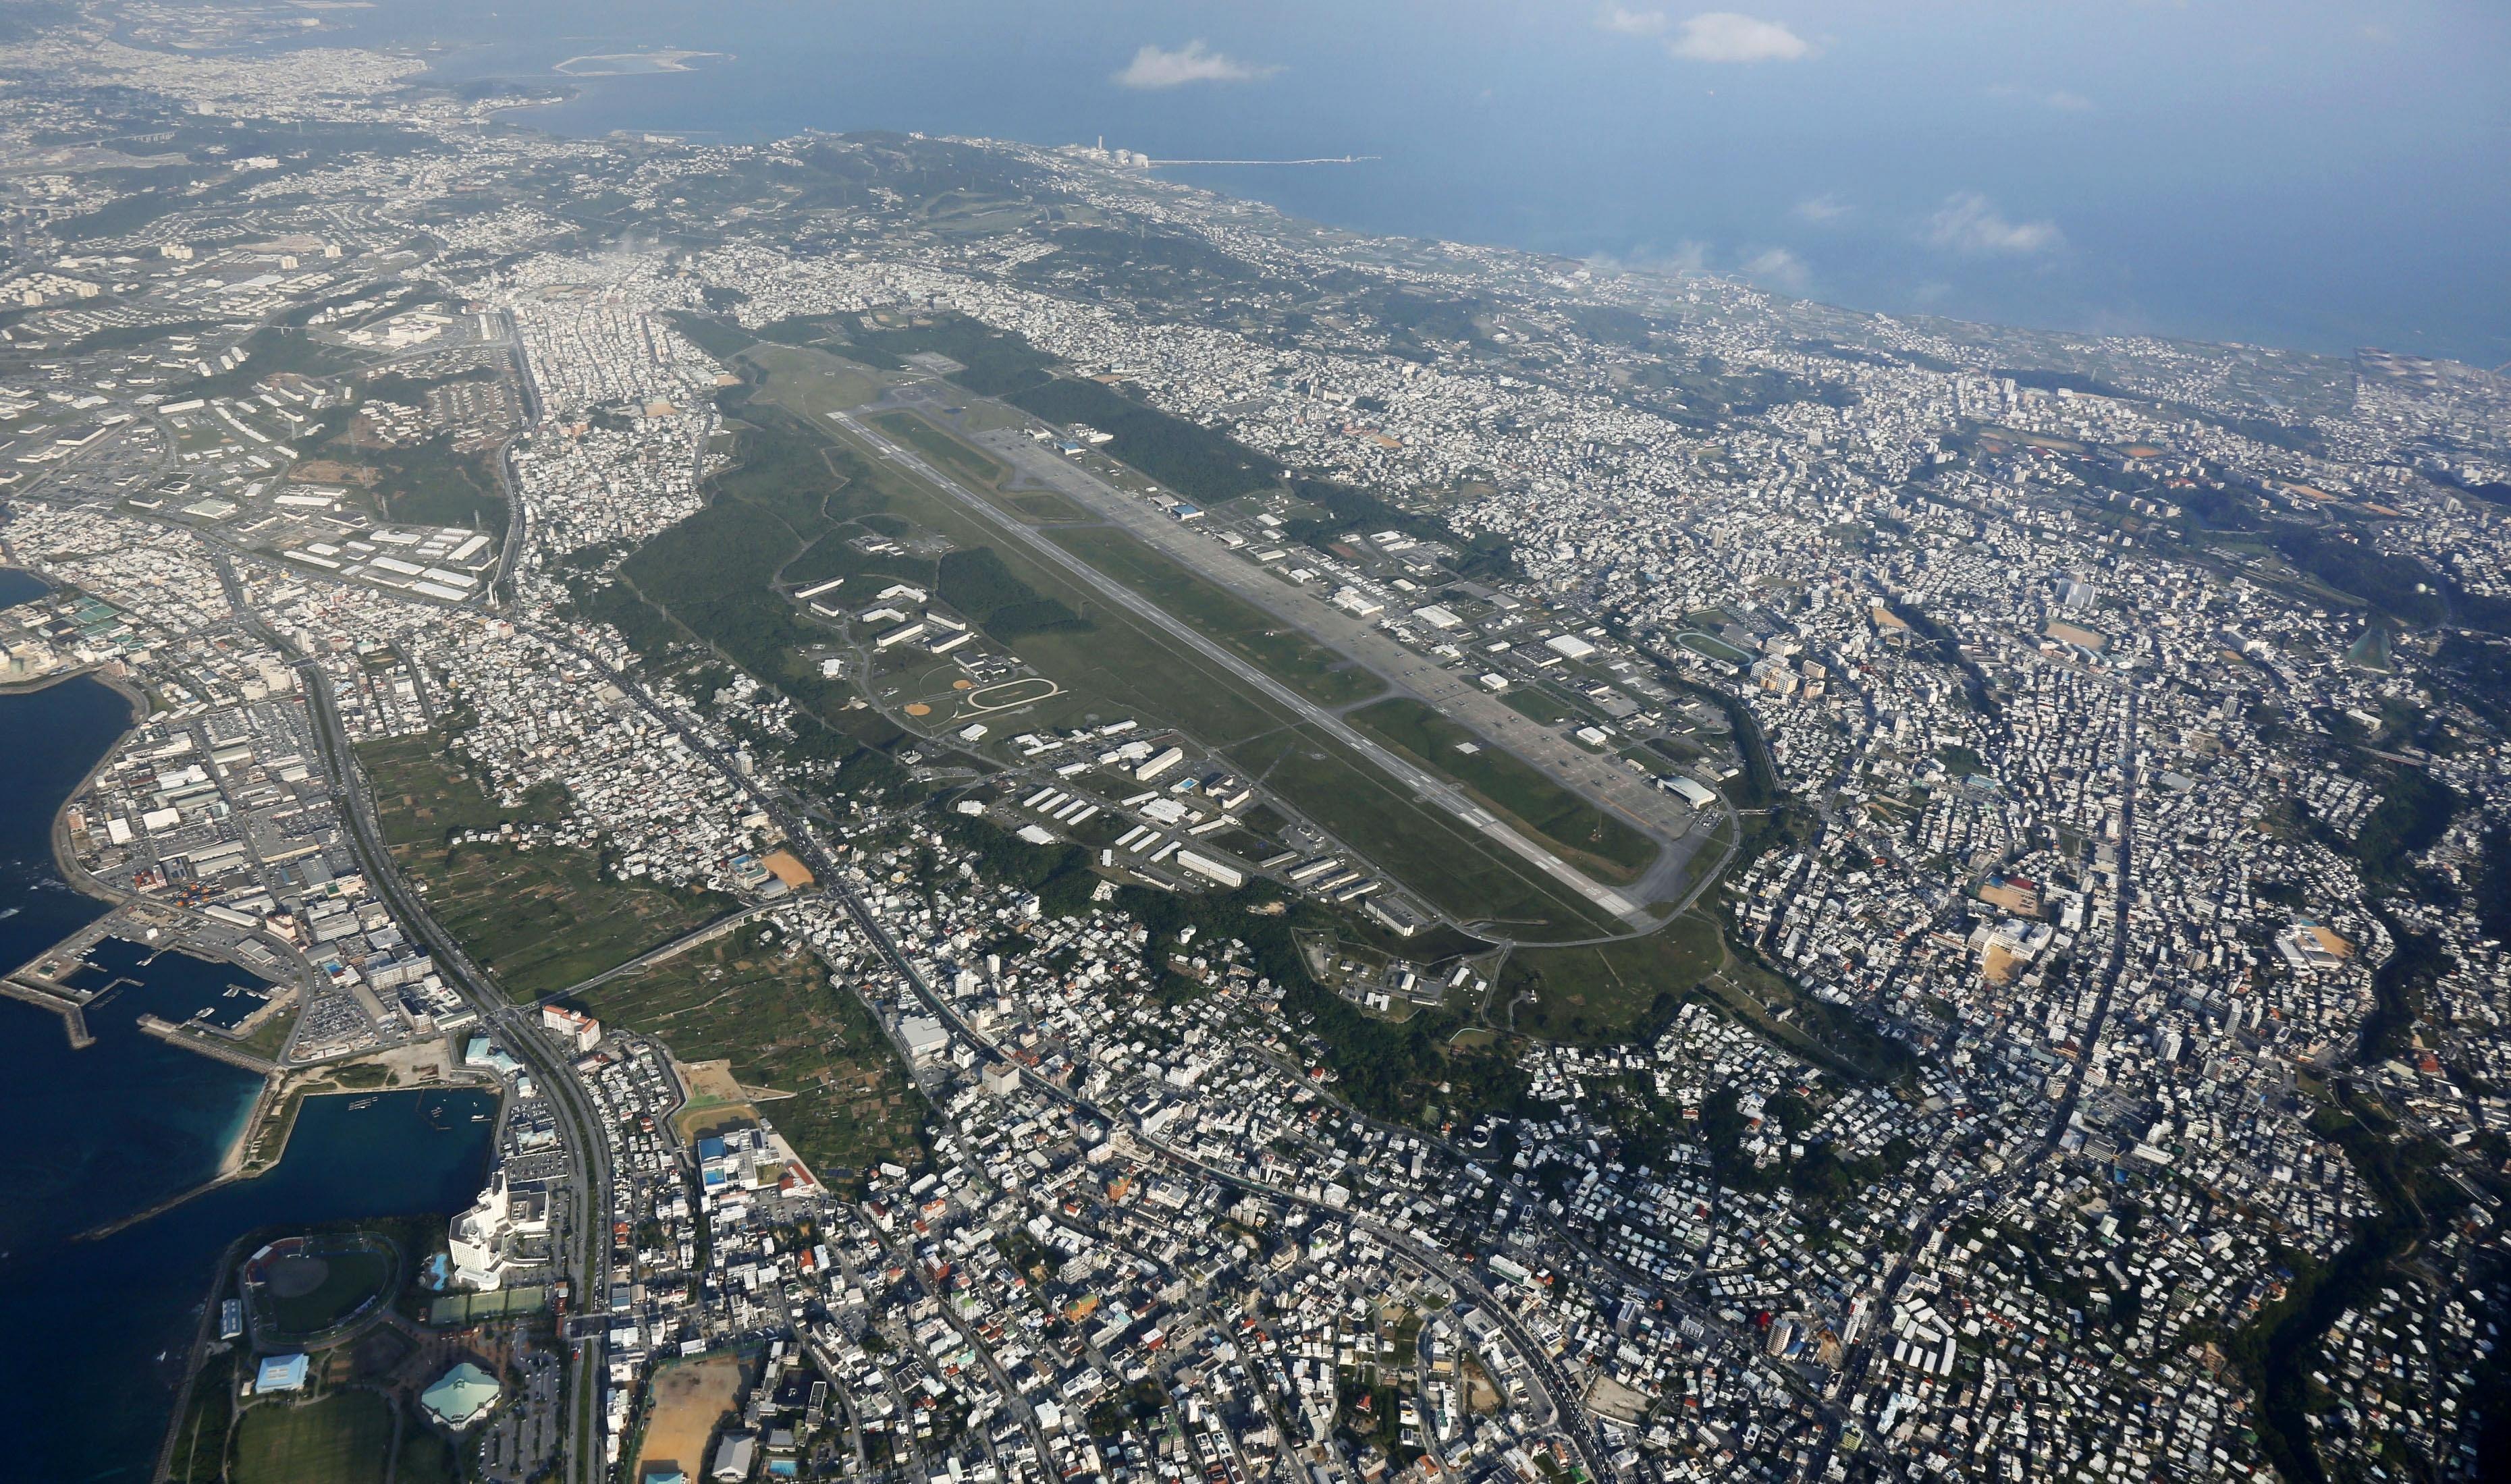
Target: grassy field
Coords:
[(1714, 647), (1591, 839), (814, 383), (784, 1027), (1045, 509), (349, 1280), (1607, 993), (538, 920), (1537, 704), (955, 457), (1458, 868), (1320, 674), (345, 1438), (426, 1457)]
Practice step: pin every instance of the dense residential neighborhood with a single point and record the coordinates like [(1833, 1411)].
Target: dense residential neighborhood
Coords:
[(1714, 887)]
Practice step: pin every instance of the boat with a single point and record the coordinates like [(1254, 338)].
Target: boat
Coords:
[(364, 1102)]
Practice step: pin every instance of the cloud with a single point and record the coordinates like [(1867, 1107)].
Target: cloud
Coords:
[(1630, 23), (1821, 210), (1194, 62), (1725, 36), (1967, 223), (1779, 268)]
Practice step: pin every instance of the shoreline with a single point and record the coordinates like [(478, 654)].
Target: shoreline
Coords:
[(252, 1150), (277, 1109)]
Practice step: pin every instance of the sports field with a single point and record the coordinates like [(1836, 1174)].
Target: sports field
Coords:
[(344, 1438), (689, 1400), (311, 1291)]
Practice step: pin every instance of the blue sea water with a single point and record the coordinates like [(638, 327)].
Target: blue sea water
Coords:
[(18, 586), (2308, 172), (97, 1330), (169, 984)]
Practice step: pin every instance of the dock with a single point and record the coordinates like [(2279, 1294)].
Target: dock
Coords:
[(207, 1046)]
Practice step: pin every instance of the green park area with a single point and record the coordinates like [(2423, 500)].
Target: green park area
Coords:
[(343, 1438), (1605, 994), (539, 920), (1588, 837), (803, 1053)]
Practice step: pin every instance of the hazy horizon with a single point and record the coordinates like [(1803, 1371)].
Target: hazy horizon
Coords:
[(2318, 175)]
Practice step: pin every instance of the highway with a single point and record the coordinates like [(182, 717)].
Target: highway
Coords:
[(1419, 780), (588, 1225)]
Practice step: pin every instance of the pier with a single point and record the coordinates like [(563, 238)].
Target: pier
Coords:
[(73, 1011), (209, 1046)]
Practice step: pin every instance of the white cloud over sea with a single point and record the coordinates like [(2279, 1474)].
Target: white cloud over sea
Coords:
[(1156, 66)]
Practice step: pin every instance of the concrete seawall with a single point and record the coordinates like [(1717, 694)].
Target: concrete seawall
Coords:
[(73, 1014), (207, 1046)]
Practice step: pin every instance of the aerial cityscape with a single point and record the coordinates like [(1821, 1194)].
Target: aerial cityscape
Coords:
[(941, 810)]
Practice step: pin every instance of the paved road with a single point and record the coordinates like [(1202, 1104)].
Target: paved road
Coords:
[(1858, 1363), (1599, 778), (1418, 779), (1551, 1384), (676, 947), (589, 1266)]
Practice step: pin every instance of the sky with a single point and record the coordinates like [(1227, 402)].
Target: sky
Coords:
[(2302, 173)]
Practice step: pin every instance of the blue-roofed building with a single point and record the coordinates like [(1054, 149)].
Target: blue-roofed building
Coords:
[(279, 1373)]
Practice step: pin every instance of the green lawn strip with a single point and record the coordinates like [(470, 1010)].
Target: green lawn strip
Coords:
[(1508, 785), (1316, 671), (941, 447), (1536, 704), (1463, 871), (344, 1438), (784, 1027)]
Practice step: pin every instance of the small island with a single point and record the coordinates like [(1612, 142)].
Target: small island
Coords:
[(634, 64)]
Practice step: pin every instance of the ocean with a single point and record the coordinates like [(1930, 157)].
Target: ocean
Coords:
[(99, 1329), (2296, 176)]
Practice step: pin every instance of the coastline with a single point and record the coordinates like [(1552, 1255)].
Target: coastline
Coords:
[(263, 1132), (276, 1110)]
